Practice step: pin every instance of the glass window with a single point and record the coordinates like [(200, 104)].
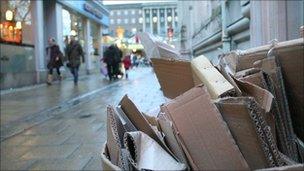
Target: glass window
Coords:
[(140, 20), (126, 12), (133, 20), (118, 12), (139, 11), (112, 13), (133, 12), (126, 21), (112, 21), (147, 20), (118, 21)]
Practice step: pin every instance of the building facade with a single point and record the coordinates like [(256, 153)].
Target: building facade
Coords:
[(155, 18), (215, 27), (24, 62)]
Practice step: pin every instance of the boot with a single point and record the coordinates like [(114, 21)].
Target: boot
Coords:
[(49, 79), (59, 77)]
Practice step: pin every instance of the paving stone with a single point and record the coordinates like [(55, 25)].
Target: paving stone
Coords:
[(14, 141), (16, 165), (50, 152), (94, 164), (76, 163), (52, 139), (13, 152)]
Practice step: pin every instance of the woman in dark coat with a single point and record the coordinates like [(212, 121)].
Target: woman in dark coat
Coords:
[(55, 60)]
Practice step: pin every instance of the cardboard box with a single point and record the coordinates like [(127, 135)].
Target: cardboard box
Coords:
[(202, 133), (105, 159)]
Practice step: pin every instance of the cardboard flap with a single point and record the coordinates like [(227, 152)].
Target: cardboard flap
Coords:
[(215, 82), (202, 133), (115, 132), (140, 122), (262, 96), (125, 120), (174, 76), (147, 154), (236, 113), (170, 139)]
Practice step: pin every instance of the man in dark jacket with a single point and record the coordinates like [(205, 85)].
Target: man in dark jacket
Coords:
[(109, 60), (75, 52), (55, 59), (117, 61)]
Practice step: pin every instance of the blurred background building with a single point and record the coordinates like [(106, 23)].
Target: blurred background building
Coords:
[(158, 18), (215, 27), (26, 26)]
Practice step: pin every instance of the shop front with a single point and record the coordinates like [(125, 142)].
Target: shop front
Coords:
[(26, 26)]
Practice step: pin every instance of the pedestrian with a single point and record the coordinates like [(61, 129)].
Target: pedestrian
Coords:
[(75, 52), (109, 60), (54, 60), (127, 64), (117, 61)]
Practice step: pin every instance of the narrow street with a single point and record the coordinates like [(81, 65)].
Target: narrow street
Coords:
[(62, 127)]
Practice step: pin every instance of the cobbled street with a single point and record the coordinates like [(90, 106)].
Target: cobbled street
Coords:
[(62, 127)]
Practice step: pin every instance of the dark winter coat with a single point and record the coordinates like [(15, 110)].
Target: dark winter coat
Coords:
[(75, 53), (55, 56), (109, 55), (118, 55)]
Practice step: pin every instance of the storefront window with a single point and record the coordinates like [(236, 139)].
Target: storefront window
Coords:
[(15, 21)]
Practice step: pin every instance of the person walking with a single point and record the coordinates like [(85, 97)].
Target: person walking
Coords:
[(108, 58), (75, 52), (127, 64), (117, 61), (54, 60)]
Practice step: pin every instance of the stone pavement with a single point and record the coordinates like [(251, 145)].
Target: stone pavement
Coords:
[(71, 137)]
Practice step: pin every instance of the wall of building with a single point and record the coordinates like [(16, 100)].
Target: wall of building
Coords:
[(215, 27)]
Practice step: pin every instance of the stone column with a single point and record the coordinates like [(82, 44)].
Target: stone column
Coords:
[(88, 40), (100, 45), (225, 36), (59, 25), (143, 13), (173, 19), (158, 21), (151, 22), (166, 22), (38, 37)]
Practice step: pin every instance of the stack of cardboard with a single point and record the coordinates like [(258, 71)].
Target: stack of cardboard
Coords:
[(238, 115)]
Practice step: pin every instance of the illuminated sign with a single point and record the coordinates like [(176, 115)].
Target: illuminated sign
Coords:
[(87, 7)]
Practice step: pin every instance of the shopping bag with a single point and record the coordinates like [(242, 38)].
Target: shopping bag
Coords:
[(103, 69)]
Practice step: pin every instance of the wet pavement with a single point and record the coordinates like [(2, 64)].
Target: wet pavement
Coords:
[(64, 127)]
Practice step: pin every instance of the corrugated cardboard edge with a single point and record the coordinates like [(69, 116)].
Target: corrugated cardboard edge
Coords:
[(297, 167), (106, 163)]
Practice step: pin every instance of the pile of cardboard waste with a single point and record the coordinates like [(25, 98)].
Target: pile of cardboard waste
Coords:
[(244, 113)]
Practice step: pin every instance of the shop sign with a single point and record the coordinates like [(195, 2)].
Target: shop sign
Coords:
[(87, 7)]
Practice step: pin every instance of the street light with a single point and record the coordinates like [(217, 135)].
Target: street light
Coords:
[(154, 19), (9, 15), (169, 18), (18, 25), (73, 33)]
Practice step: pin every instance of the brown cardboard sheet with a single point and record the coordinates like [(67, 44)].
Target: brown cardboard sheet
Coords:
[(170, 139), (105, 162), (140, 122), (115, 133), (202, 133), (296, 167), (236, 113), (125, 120), (146, 154), (174, 76)]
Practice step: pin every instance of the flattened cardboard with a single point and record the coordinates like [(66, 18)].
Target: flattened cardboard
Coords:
[(140, 122), (237, 116), (215, 82), (170, 139), (115, 132), (174, 76), (125, 120), (202, 133), (146, 154), (297, 167)]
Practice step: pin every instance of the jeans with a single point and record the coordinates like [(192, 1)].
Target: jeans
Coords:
[(51, 71), (74, 71)]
